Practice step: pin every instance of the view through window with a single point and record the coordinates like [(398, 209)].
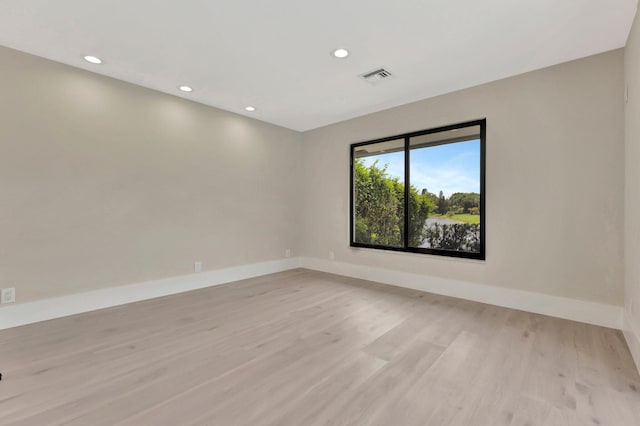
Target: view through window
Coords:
[(444, 197)]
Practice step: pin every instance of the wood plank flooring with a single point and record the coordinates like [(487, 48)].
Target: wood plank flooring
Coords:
[(309, 348)]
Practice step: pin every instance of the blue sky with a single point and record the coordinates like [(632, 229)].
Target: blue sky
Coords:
[(449, 168)]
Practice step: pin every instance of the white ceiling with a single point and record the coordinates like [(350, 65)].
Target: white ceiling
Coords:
[(275, 54)]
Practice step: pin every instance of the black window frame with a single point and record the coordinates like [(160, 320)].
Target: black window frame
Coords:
[(481, 255)]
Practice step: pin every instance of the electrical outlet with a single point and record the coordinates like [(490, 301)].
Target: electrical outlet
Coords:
[(332, 256), (287, 253), (8, 295), (197, 266)]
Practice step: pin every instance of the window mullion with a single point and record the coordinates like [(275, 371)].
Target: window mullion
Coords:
[(407, 187)]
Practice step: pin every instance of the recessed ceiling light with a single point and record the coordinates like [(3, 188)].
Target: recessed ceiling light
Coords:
[(250, 108), (340, 53), (93, 59), (186, 88)]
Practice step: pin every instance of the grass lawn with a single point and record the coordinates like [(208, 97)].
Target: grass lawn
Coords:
[(466, 218)]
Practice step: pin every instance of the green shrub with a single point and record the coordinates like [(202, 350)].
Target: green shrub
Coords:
[(458, 237), (379, 208)]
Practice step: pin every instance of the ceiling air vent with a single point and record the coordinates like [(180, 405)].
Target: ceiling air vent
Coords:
[(376, 76)]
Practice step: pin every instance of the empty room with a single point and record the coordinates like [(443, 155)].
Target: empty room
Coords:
[(421, 212)]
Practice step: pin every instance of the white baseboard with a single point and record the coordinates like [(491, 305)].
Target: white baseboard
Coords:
[(42, 310), (577, 310), (632, 336)]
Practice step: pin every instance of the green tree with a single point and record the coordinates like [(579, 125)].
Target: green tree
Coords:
[(379, 208), (419, 207), (442, 203), (462, 202)]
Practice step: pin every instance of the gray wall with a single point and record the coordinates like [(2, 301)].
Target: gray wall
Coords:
[(555, 171), (103, 183), (632, 189)]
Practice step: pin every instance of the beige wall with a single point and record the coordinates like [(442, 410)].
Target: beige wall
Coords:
[(105, 183), (555, 171), (632, 186)]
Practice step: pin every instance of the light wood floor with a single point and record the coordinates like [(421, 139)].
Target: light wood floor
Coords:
[(308, 348)]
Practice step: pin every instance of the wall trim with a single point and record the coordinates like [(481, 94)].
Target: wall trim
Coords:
[(561, 307), (632, 336), (42, 310), (577, 310)]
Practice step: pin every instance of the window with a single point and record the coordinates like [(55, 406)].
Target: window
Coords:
[(421, 192)]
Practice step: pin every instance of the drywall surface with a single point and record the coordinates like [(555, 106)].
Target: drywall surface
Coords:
[(554, 193), (632, 191), (103, 183)]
